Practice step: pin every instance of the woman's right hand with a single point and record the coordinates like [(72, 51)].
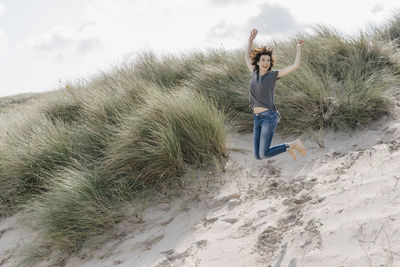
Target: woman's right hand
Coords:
[(253, 34)]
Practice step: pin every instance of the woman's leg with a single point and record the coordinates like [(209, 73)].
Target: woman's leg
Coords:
[(268, 127), (256, 137)]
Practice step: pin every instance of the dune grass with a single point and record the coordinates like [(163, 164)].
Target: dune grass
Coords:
[(79, 174), (80, 155), (78, 205), (169, 130), (340, 84), (389, 31)]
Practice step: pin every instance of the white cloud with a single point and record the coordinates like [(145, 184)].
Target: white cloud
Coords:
[(62, 40), (225, 30), (377, 8), (274, 19), (98, 26)]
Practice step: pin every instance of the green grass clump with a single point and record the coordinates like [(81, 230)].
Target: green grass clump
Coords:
[(62, 107), (28, 153), (224, 79), (156, 140), (78, 205), (390, 30), (340, 84), (165, 72)]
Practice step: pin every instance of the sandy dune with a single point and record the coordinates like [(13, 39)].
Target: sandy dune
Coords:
[(338, 206)]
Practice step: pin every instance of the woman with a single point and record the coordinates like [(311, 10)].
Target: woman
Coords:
[(266, 117)]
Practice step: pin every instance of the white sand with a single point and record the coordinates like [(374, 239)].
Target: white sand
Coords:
[(338, 206)]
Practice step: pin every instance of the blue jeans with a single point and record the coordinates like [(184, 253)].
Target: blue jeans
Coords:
[(264, 128)]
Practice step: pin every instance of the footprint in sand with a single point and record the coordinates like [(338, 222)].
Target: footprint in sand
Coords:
[(312, 236), (270, 239), (266, 212), (172, 255), (167, 221), (230, 199), (116, 262), (393, 146), (148, 244), (207, 221), (230, 220), (2, 232)]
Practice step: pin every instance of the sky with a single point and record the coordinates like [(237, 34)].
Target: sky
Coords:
[(44, 44)]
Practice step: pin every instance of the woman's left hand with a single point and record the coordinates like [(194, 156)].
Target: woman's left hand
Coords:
[(300, 44)]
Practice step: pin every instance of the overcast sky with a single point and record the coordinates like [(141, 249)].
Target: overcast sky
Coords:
[(45, 43)]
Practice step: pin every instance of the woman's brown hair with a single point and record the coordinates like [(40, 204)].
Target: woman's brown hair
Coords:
[(257, 52)]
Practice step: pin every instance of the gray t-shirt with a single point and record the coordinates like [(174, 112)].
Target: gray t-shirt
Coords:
[(262, 89)]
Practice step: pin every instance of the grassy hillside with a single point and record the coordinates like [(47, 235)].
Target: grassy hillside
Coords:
[(75, 158)]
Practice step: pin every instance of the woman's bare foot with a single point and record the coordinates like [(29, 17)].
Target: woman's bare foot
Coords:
[(298, 145), (291, 151)]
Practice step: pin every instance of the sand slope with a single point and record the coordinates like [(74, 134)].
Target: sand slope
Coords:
[(338, 206)]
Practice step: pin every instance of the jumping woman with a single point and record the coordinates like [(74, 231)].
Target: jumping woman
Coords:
[(260, 62)]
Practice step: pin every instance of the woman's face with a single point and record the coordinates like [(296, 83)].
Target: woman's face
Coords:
[(264, 63)]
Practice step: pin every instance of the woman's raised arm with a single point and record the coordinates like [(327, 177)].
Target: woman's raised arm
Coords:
[(253, 34), (296, 64)]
